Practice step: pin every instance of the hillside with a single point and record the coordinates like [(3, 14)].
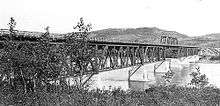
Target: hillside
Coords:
[(209, 40), (152, 35), (146, 35), (143, 35)]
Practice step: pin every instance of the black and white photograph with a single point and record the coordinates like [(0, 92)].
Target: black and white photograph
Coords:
[(109, 53)]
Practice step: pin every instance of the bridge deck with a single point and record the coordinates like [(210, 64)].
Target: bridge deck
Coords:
[(137, 44)]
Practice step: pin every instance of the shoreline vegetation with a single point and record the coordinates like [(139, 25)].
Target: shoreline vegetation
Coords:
[(156, 95), (209, 59)]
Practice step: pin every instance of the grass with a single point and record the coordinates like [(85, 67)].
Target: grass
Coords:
[(157, 95)]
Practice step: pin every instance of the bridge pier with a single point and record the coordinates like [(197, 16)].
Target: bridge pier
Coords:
[(131, 73)]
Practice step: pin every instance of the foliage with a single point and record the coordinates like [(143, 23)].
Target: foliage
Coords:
[(156, 95), (168, 76), (11, 25), (199, 80), (215, 58), (42, 67)]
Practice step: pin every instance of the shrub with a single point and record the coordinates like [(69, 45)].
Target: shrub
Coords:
[(215, 58)]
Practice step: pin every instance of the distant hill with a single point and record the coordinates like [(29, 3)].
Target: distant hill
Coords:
[(152, 35), (145, 34), (209, 40), (142, 35)]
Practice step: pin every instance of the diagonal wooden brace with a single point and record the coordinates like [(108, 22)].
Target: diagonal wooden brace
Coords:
[(86, 80)]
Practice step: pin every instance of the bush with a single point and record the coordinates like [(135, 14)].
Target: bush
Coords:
[(156, 95), (34, 71), (215, 58)]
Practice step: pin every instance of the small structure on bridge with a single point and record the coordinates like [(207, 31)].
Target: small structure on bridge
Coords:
[(168, 40)]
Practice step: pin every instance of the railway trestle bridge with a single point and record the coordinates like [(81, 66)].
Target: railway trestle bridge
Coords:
[(118, 55)]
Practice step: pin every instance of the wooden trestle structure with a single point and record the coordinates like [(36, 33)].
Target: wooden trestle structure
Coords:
[(117, 55)]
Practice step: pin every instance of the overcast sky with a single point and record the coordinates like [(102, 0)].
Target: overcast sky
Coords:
[(191, 17)]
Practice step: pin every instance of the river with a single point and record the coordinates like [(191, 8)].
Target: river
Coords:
[(212, 71), (146, 76)]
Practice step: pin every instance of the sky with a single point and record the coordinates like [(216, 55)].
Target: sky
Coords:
[(190, 17)]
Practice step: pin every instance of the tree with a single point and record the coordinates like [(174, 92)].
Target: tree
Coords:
[(81, 56), (168, 76), (43, 66), (26, 65), (11, 25), (199, 80)]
